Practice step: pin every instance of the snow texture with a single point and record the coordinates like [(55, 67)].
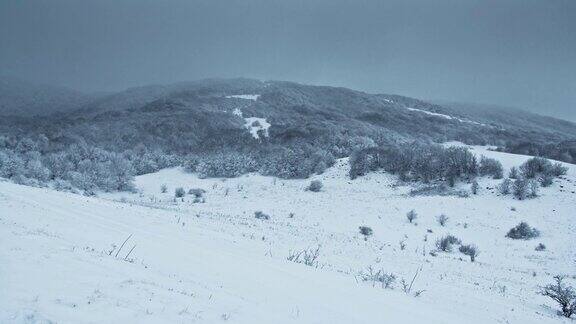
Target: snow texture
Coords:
[(212, 262)]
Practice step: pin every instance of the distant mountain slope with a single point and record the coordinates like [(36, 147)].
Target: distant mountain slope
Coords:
[(21, 98), (213, 114), (516, 120)]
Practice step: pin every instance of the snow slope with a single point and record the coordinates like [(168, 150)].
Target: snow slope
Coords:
[(213, 262)]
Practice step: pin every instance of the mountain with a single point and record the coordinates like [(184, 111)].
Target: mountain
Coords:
[(22, 98)]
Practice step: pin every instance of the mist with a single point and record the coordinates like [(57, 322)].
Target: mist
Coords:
[(511, 53)]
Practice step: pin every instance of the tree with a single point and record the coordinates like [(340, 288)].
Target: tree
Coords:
[(562, 294)]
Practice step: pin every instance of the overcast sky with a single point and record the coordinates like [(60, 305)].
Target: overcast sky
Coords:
[(517, 53)]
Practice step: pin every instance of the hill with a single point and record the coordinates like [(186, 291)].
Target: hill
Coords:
[(212, 260)]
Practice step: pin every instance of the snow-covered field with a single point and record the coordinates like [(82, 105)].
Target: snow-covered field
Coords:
[(214, 262)]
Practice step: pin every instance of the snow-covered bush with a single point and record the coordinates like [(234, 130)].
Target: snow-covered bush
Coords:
[(417, 162), (385, 279), (540, 166), (442, 219), (475, 187), (196, 192), (490, 167), (261, 215), (562, 294), (520, 188), (546, 180), (411, 215), (504, 186), (522, 231), (445, 243), (307, 257), (540, 247), (513, 174), (366, 231), (315, 186), (179, 192), (469, 250)]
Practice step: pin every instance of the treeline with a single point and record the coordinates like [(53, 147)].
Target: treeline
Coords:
[(32, 161), (564, 151)]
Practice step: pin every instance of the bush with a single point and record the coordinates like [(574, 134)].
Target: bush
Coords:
[(522, 231), (533, 187), (411, 216), (475, 187), (514, 174), (564, 295), (197, 192), (534, 166), (469, 250), (540, 247), (179, 192), (558, 170), (315, 186), (366, 231), (387, 280), (442, 219), (520, 188), (490, 167), (416, 162), (308, 257), (445, 243), (504, 186), (261, 215), (546, 180)]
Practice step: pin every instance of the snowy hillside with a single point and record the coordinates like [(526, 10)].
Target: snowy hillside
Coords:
[(213, 261)]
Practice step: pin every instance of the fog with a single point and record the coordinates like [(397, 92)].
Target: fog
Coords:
[(513, 53)]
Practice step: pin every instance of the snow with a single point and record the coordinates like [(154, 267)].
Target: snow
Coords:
[(211, 262), (445, 116), (245, 96), (255, 124)]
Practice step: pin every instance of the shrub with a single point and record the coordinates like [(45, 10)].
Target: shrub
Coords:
[(387, 280), (475, 187), (504, 186), (442, 219), (179, 192), (469, 250), (490, 167), (564, 295), (534, 166), (540, 247), (514, 174), (411, 216), (520, 188), (366, 231), (196, 192), (315, 186), (533, 187), (308, 257), (522, 231), (261, 215), (546, 180), (445, 243), (558, 170)]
